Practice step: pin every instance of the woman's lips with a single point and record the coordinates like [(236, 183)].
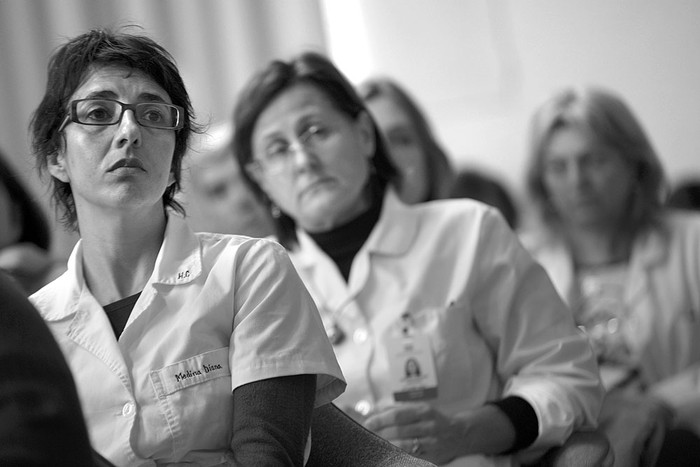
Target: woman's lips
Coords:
[(130, 162)]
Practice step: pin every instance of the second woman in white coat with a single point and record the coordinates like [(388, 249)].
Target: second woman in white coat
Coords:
[(502, 368)]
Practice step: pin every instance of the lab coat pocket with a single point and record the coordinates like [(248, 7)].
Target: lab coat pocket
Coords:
[(195, 398)]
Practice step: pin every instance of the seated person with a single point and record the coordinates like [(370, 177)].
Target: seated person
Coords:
[(628, 267), (186, 348), (504, 372), (41, 422), (213, 191), (424, 170), (25, 238)]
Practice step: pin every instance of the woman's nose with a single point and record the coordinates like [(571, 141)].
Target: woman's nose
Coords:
[(301, 155), (129, 131)]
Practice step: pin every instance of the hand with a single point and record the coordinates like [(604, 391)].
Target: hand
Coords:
[(420, 430), (635, 425)]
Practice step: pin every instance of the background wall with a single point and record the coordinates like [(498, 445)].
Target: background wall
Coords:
[(479, 67)]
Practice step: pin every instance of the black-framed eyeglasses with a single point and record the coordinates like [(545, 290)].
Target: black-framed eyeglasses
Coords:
[(101, 112)]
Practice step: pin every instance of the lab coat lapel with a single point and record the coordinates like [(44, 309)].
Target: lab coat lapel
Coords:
[(647, 252), (90, 327), (393, 235), (179, 261), (325, 281)]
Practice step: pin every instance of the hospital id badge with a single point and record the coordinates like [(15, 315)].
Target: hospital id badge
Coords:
[(412, 368)]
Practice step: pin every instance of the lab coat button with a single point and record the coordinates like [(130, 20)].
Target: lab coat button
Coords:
[(360, 336), (128, 409), (363, 407)]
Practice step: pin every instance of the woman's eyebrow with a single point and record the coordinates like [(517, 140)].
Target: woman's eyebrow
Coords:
[(107, 94), (103, 94), (151, 97)]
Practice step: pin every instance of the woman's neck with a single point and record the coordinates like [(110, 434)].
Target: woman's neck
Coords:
[(120, 253), (598, 247)]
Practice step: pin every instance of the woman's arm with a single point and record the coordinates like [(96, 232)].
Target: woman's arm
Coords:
[(271, 420), (540, 353)]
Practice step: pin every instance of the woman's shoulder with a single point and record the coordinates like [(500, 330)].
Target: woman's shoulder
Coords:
[(453, 210), (242, 248)]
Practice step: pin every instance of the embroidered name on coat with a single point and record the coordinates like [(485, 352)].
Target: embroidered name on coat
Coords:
[(194, 370)]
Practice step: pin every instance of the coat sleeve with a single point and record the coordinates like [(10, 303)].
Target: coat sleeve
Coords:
[(540, 354)]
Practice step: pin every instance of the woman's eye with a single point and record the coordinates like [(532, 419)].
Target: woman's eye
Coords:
[(276, 150), (98, 114), (153, 114), (316, 132), (555, 167)]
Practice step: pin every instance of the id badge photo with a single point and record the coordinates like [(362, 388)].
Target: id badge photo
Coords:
[(412, 366)]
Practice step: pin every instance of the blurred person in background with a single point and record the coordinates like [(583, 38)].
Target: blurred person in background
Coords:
[(41, 422), (478, 185), (628, 268), (503, 370), (685, 195), (213, 191), (202, 349), (25, 237), (424, 169)]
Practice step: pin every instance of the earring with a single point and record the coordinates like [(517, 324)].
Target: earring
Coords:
[(275, 211)]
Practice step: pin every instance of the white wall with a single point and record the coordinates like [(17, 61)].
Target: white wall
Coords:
[(480, 67)]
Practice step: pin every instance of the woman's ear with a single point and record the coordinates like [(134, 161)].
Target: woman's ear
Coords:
[(366, 130), (56, 165)]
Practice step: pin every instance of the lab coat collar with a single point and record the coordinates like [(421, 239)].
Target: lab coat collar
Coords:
[(393, 234), (179, 261), (396, 228), (648, 250)]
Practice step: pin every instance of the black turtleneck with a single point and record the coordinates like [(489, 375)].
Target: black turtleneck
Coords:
[(342, 243)]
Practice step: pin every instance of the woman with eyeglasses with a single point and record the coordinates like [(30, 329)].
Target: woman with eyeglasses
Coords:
[(198, 349), (503, 369), (628, 267)]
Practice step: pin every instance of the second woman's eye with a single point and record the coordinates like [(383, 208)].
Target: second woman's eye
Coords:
[(315, 132), (276, 150)]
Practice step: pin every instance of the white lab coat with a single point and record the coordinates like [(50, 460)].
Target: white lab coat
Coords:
[(496, 325), (219, 311), (662, 300)]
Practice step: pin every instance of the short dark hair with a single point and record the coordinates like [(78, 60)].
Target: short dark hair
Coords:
[(309, 68), (612, 122), (440, 172), (68, 68), (35, 227)]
